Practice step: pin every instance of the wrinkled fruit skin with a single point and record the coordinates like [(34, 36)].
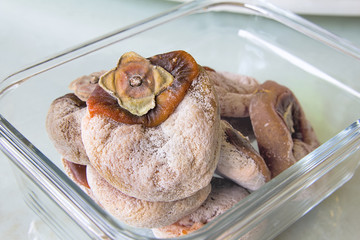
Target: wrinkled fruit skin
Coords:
[(63, 122), (282, 131)]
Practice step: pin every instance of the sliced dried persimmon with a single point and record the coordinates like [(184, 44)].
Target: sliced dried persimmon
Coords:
[(280, 125)]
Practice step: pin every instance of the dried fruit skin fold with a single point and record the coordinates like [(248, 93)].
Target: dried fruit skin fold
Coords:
[(280, 127)]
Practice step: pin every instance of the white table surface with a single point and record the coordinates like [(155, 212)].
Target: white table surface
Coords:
[(32, 30)]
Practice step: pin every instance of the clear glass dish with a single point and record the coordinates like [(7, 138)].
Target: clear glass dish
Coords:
[(248, 37)]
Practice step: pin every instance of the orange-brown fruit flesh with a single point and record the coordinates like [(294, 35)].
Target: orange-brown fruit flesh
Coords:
[(78, 172)]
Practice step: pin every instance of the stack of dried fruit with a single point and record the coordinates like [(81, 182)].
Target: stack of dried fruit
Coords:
[(146, 139)]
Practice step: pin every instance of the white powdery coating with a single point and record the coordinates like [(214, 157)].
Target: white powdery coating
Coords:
[(165, 163), (234, 91), (141, 213), (63, 126), (239, 167), (224, 195)]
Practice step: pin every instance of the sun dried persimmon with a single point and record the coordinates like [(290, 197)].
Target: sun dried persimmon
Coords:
[(134, 72), (280, 125)]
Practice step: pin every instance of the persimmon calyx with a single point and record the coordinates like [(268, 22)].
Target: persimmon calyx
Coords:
[(135, 83)]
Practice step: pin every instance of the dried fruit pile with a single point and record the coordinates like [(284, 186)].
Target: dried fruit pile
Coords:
[(164, 143)]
